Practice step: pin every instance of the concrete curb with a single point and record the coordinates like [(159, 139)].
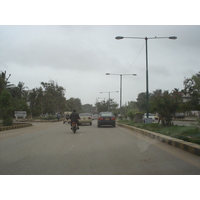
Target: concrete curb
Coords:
[(186, 146), (29, 121), (4, 128)]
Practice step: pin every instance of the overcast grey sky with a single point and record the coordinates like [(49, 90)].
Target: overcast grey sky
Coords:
[(78, 57)]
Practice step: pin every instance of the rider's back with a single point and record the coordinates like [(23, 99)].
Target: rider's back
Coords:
[(74, 116)]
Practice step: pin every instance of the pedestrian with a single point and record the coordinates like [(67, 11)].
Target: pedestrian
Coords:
[(58, 116)]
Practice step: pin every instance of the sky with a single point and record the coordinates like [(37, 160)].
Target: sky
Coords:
[(77, 57)]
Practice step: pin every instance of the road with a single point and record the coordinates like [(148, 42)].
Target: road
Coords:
[(52, 149), (184, 123)]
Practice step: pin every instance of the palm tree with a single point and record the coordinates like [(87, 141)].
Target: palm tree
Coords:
[(4, 83), (22, 90)]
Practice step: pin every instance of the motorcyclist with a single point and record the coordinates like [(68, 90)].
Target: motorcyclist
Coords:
[(74, 117)]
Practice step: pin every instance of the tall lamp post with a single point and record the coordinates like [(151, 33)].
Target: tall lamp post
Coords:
[(147, 78), (120, 85)]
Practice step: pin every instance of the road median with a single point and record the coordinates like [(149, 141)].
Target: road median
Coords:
[(186, 146), (14, 126)]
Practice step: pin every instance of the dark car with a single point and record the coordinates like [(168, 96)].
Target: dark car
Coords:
[(106, 118)]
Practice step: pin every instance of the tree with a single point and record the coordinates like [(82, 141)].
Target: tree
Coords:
[(192, 87), (49, 98), (32, 98), (4, 83), (132, 105), (142, 101), (54, 100), (102, 106), (88, 108), (36, 101), (74, 103), (20, 105), (19, 91), (165, 104), (6, 107), (109, 105), (112, 105), (19, 97)]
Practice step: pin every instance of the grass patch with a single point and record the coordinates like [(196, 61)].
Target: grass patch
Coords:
[(187, 133)]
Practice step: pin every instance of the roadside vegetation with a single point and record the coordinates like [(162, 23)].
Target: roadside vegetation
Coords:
[(186, 133), (45, 101)]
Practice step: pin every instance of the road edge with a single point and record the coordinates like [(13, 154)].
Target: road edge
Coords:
[(4, 128), (186, 146)]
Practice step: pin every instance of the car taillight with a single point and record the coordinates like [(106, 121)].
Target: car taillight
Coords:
[(100, 118), (113, 118)]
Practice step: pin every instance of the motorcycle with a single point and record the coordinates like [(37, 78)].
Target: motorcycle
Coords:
[(74, 127)]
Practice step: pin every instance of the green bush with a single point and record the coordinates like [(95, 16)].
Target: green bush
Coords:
[(7, 121), (6, 108), (138, 117), (186, 133), (131, 114)]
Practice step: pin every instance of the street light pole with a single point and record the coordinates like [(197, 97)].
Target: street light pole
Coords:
[(120, 93), (109, 94), (147, 76), (121, 86), (147, 80)]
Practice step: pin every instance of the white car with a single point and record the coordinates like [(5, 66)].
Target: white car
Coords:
[(85, 118), (151, 116)]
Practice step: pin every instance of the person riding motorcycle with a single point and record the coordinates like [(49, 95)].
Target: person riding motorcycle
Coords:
[(74, 117)]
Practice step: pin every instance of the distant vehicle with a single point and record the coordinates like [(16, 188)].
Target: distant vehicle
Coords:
[(156, 117), (151, 116), (106, 118), (179, 116), (85, 118), (66, 117)]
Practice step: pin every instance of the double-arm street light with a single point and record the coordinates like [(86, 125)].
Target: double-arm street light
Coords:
[(147, 81), (109, 94), (109, 97), (121, 85)]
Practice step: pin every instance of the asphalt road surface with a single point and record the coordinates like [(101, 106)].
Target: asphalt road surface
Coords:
[(52, 149)]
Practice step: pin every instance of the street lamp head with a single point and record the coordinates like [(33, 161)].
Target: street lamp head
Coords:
[(107, 73), (119, 37), (172, 37), (134, 74)]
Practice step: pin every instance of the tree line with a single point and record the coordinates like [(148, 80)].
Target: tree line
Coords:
[(166, 103), (49, 99)]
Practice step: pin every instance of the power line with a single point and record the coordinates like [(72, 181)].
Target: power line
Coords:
[(136, 57)]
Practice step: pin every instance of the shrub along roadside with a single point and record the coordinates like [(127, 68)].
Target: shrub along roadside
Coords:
[(186, 133), (6, 108)]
